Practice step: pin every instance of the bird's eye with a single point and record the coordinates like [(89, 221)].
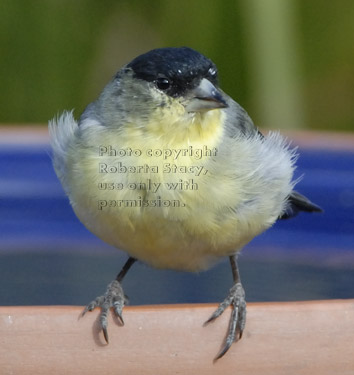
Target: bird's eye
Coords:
[(162, 83)]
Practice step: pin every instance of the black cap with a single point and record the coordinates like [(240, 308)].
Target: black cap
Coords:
[(183, 67)]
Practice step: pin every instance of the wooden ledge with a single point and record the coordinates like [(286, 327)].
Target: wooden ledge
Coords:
[(314, 337)]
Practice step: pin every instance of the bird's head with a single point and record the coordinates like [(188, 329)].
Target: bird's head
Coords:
[(163, 90)]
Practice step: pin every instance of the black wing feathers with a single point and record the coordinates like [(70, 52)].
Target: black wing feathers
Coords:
[(296, 203)]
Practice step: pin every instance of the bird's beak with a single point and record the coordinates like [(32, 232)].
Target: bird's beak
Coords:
[(205, 97)]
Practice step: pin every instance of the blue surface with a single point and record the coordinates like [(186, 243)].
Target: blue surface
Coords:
[(37, 225)]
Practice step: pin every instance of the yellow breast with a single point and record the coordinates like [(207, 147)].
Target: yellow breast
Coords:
[(154, 190)]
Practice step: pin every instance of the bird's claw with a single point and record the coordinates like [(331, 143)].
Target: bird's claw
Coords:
[(114, 297), (236, 299)]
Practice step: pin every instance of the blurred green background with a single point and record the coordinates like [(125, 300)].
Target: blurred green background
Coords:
[(290, 63)]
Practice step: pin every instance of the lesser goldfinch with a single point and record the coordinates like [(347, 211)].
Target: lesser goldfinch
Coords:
[(167, 167)]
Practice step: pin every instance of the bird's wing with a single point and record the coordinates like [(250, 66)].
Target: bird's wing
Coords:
[(296, 203)]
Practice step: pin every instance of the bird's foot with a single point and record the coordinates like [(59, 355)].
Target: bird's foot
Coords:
[(236, 299), (114, 297)]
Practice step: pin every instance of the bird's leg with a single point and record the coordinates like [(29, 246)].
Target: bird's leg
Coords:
[(114, 297), (235, 298)]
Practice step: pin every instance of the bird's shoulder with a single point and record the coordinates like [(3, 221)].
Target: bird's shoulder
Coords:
[(238, 122)]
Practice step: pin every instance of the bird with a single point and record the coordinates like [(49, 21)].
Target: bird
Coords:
[(167, 167)]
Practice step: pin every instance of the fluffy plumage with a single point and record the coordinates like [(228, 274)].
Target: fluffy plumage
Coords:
[(244, 191), (170, 99)]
